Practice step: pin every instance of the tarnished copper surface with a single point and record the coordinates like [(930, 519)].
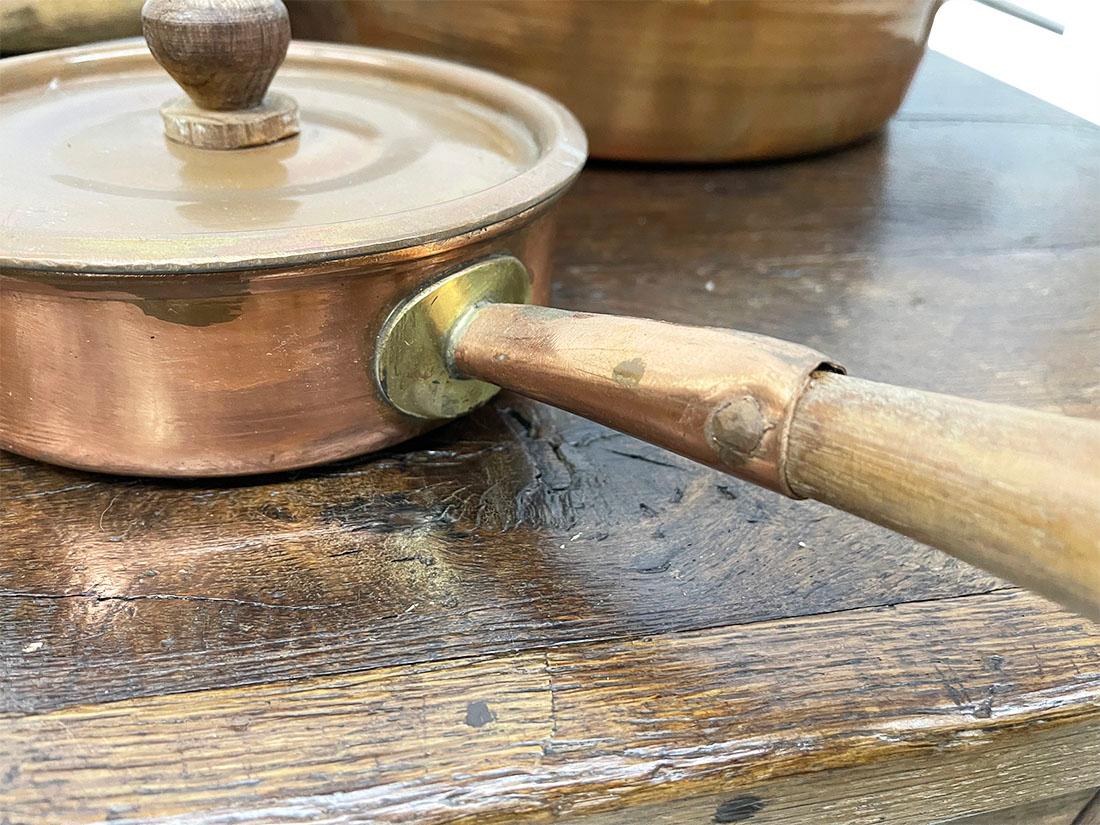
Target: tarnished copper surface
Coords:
[(720, 397), (219, 373)]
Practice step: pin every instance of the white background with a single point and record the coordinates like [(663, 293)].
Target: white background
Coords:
[(1061, 69)]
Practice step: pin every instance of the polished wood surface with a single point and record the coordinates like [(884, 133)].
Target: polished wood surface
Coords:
[(524, 615)]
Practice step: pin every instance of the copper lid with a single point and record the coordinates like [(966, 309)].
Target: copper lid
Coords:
[(394, 150)]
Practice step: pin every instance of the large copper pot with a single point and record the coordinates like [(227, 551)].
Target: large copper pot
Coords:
[(245, 287), (670, 80)]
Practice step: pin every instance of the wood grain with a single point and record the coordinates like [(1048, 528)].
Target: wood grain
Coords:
[(274, 118), (515, 528), (445, 573), (1011, 490), (1090, 815), (224, 54), (931, 788), (1070, 809), (945, 688)]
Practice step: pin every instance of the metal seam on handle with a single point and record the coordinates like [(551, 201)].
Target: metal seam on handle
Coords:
[(785, 435)]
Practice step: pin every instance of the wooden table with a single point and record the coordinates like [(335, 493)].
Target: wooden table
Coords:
[(525, 616)]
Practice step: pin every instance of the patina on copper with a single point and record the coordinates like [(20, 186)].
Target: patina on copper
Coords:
[(220, 373), (396, 151)]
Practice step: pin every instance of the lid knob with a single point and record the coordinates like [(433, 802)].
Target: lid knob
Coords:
[(223, 53)]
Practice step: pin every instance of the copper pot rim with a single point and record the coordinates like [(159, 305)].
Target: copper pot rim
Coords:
[(410, 234)]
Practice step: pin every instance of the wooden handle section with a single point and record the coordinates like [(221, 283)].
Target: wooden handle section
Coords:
[(1014, 491)]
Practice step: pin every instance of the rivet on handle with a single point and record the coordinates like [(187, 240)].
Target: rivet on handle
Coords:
[(223, 53)]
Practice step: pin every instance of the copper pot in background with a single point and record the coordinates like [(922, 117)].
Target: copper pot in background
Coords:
[(670, 80), (33, 25)]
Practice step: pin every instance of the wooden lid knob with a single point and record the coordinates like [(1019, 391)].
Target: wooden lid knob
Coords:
[(223, 53)]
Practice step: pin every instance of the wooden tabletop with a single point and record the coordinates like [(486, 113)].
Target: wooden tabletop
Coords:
[(525, 616)]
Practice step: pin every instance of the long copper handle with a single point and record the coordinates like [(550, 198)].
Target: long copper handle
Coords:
[(1011, 490)]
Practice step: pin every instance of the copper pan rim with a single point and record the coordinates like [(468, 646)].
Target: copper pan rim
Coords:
[(276, 276), (561, 142)]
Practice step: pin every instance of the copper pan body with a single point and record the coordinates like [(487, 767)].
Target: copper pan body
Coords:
[(220, 373), (670, 80)]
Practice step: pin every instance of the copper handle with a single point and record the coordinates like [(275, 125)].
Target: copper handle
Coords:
[(1011, 490), (720, 397)]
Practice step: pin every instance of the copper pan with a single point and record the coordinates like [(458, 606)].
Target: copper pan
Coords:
[(670, 80), (240, 352)]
